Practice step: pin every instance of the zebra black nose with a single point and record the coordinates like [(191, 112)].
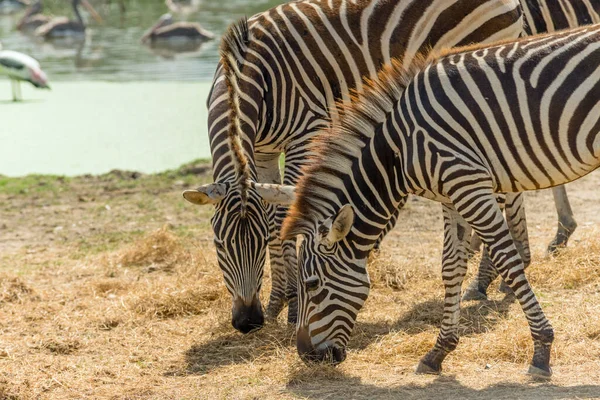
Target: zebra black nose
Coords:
[(247, 318), (309, 354)]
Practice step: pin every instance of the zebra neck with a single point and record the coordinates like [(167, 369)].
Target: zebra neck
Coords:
[(375, 188)]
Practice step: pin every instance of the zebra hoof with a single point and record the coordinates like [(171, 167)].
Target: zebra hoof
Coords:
[(474, 294), (539, 373), (423, 368)]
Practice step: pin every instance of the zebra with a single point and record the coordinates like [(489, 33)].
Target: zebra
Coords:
[(540, 16), (518, 115), (279, 77)]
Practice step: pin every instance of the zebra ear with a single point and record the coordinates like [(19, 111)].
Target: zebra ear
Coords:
[(275, 194), (340, 224), (206, 194)]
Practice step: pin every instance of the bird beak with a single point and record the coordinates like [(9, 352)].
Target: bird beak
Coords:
[(92, 12)]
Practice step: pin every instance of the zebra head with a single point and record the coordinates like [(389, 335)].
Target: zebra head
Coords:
[(241, 236), (333, 285)]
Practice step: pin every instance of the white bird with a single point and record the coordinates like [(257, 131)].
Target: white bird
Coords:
[(21, 67)]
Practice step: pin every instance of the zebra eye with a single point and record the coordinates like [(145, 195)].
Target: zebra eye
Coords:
[(219, 244), (311, 283)]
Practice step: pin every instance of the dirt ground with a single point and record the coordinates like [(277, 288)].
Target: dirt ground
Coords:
[(109, 289)]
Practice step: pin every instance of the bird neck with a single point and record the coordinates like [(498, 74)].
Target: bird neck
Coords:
[(77, 14)]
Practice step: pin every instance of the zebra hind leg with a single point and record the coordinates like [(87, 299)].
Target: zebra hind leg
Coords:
[(517, 223), (487, 220), (486, 273), (566, 221), (457, 234)]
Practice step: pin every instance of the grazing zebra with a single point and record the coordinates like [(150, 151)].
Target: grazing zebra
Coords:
[(541, 16), (516, 116), (279, 77)]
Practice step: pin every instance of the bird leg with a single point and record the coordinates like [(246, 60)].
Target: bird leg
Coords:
[(14, 91), (18, 83)]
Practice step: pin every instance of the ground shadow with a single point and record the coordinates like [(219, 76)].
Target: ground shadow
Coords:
[(337, 385), (476, 318), (236, 348)]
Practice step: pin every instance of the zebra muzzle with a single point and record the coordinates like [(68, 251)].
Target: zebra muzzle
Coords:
[(247, 317), (324, 353)]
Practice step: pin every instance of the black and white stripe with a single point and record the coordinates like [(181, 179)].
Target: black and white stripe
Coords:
[(516, 116), (291, 64), (541, 16)]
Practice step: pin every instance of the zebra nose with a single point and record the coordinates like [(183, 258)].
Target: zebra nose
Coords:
[(324, 353), (247, 318)]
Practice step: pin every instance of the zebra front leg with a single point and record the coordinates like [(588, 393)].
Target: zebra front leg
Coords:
[(514, 209), (485, 216), (290, 268), (277, 299), (457, 234), (291, 292), (267, 166), (566, 221)]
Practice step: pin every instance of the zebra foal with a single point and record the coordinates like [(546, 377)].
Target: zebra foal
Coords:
[(516, 116), (280, 75)]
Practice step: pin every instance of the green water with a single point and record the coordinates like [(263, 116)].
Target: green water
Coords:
[(115, 103), (112, 50), (93, 127)]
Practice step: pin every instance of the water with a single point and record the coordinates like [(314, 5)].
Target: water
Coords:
[(112, 50), (94, 127), (114, 103)]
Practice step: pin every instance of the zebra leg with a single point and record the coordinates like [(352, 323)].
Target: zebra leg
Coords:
[(566, 221), (514, 209), (278, 279), (291, 268), (485, 217), (517, 224), (267, 166), (457, 234), (391, 224), (475, 245)]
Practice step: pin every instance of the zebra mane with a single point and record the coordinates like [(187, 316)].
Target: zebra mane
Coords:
[(337, 147), (233, 48)]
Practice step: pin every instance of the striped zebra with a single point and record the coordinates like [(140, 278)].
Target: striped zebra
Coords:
[(516, 116), (276, 86), (541, 16)]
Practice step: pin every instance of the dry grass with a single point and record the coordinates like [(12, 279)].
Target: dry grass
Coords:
[(13, 289), (122, 306), (159, 250)]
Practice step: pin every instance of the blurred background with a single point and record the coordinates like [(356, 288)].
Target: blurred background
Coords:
[(115, 103)]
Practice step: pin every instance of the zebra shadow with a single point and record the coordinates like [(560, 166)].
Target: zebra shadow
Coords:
[(304, 383), (476, 317), (235, 348)]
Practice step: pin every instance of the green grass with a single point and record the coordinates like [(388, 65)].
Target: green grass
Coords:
[(33, 184), (106, 241)]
